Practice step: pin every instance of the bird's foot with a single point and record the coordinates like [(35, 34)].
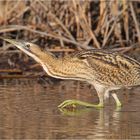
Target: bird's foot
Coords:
[(75, 103), (118, 104)]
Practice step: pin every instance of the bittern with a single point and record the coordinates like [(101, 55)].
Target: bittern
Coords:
[(105, 70)]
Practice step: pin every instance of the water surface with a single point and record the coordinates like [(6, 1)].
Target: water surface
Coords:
[(28, 110)]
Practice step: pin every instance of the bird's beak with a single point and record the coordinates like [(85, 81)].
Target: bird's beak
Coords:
[(23, 46), (19, 44)]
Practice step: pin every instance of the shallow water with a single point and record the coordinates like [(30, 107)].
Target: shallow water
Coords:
[(28, 110)]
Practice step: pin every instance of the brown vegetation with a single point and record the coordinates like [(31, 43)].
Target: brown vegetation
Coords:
[(65, 26)]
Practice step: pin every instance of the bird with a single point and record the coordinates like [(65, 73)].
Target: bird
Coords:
[(106, 70)]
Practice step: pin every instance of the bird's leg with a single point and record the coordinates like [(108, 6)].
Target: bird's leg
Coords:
[(118, 103), (73, 103), (106, 95)]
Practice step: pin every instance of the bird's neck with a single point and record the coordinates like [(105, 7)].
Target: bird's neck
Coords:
[(51, 64), (46, 58), (63, 68)]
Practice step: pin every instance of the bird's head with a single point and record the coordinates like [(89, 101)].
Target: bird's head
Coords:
[(26, 47), (30, 49)]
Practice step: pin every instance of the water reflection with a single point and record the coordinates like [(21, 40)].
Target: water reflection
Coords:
[(29, 111)]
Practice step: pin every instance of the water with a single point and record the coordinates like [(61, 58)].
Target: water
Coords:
[(28, 110)]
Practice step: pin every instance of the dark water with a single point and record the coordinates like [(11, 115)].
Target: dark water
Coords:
[(28, 110)]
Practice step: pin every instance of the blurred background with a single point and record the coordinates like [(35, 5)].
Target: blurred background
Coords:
[(65, 26)]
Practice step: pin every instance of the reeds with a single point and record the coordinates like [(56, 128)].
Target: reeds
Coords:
[(64, 26)]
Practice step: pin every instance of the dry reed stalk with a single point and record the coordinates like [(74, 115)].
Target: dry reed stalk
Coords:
[(117, 30), (112, 28), (83, 22), (10, 71), (114, 12), (102, 17), (135, 20), (126, 18), (29, 75)]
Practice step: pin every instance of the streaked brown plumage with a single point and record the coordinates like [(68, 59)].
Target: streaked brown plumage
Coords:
[(111, 68), (105, 70)]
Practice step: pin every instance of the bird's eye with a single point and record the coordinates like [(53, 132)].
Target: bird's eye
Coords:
[(28, 45)]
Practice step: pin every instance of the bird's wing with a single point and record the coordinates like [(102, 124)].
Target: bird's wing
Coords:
[(98, 58), (107, 59), (110, 68)]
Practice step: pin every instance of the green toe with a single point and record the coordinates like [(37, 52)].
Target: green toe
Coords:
[(119, 104), (75, 103), (67, 103)]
